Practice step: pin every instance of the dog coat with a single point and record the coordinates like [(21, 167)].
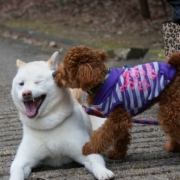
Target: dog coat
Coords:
[(134, 87)]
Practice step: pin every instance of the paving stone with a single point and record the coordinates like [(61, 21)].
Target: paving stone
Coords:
[(145, 159)]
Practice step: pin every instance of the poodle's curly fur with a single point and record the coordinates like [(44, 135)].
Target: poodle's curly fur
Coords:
[(84, 68)]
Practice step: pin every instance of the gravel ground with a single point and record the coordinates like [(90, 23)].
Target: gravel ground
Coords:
[(145, 158)]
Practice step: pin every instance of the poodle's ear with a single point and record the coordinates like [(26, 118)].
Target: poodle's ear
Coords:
[(88, 76), (91, 73), (103, 55), (53, 61)]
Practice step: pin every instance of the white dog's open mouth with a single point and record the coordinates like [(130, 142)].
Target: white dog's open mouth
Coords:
[(32, 105)]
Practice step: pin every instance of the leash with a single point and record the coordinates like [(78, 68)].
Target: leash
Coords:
[(95, 112)]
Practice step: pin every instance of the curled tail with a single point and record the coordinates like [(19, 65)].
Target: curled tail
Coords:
[(174, 59)]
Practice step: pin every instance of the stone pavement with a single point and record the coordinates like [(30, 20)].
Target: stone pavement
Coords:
[(145, 159)]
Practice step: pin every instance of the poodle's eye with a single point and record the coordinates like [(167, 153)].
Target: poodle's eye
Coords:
[(21, 83)]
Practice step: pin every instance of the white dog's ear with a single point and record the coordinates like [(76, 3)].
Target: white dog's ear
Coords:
[(54, 60), (19, 63)]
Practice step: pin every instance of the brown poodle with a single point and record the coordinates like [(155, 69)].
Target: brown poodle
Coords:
[(122, 93)]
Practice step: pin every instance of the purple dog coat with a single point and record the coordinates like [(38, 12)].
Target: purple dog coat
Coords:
[(134, 88)]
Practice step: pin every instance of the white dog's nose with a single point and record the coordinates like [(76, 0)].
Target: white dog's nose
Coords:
[(27, 94)]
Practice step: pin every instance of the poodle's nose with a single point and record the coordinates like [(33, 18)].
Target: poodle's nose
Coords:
[(27, 94), (54, 74)]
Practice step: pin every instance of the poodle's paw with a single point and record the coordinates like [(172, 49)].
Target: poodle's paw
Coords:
[(171, 147), (112, 154), (87, 149), (168, 147)]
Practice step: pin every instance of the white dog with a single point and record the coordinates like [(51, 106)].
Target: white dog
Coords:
[(55, 127)]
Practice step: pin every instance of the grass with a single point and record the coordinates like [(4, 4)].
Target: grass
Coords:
[(160, 54), (56, 30)]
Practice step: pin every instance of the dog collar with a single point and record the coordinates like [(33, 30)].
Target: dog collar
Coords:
[(94, 89)]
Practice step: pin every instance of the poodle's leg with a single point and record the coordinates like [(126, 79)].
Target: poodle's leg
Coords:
[(169, 118), (122, 136), (115, 129), (120, 146)]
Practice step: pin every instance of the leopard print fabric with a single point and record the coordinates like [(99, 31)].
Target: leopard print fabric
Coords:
[(171, 35)]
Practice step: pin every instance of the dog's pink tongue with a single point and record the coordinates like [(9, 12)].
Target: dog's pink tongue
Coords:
[(30, 108)]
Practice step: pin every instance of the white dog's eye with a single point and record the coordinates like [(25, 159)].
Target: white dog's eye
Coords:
[(21, 83), (37, 82)]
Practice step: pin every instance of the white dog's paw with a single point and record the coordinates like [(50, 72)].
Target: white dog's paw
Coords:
[(103, 173)]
